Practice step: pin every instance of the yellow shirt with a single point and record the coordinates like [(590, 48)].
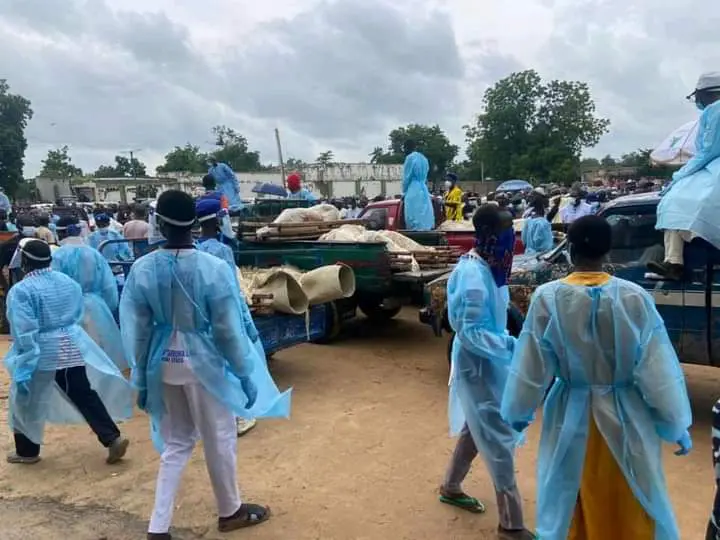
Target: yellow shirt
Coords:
[(454, 212)]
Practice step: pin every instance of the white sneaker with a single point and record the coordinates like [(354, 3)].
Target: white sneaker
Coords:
[(243, 426)]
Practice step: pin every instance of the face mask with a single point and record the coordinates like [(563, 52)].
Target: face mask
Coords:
[(448, 185)]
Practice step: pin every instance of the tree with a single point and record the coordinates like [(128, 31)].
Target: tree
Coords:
[(608, 161), (186, 158), (325, 159), (533, 130), (58, 164), (589, 163), (124, 167), (293, 164), (430, 140), (232, 148), (15, 113)]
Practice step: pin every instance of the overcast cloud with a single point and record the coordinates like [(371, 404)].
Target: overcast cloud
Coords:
[(111, 75)]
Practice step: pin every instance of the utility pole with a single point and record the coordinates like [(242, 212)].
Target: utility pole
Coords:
[(280, 156), (123, 192)]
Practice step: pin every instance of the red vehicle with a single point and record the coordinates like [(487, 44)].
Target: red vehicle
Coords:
[(389, 215)]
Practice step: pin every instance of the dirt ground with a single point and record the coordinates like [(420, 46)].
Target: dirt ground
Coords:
[(361, 457)]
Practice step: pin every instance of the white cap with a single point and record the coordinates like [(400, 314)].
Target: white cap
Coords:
[(707, 81), (539, 190)]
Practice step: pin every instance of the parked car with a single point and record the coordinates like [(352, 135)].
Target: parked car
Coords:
[(690, 309)]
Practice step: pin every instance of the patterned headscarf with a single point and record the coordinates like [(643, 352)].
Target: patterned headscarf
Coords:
[(497, 251)]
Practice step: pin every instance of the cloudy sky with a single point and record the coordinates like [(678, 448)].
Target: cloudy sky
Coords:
[(111, 75)]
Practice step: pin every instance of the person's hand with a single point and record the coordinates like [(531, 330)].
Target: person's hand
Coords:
[(250, 391), (142, 400), (685, 444)]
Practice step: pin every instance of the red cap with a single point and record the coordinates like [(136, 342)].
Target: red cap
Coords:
[(293, 182)]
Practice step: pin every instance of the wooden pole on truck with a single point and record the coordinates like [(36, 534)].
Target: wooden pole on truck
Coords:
[(280, 157)]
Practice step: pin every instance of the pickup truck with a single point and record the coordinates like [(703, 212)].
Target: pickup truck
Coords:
[(690, 309), (389, 215)]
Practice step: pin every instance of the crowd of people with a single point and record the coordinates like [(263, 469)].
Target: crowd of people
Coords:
[(593, 349)]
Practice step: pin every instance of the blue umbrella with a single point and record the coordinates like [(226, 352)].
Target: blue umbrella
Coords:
[(266, 188), (514, 185)]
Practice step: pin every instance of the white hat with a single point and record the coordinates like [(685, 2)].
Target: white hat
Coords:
[(539, 190), (707, 81)]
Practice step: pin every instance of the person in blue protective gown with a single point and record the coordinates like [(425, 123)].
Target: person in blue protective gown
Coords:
[(417, 204), (100, 291), (296, 191), (537, 232), (618, 393), (118, 251), (688, 208), (227, 184), (211, 191), (59, 375), (194, 364), (210, 215), (477, 307), (5, 205)]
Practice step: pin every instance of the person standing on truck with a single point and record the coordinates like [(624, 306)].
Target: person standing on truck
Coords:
[(618, 393), (194, 365), (688, 208), (453, 198), (227, 183), (58, 373), (296, 191), (477, 307), (417, 203)]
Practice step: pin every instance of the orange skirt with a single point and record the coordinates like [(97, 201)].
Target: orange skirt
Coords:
[(606, 506)]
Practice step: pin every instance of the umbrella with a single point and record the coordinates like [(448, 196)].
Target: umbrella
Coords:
[(514, 185), (678, 147), (266, 188)]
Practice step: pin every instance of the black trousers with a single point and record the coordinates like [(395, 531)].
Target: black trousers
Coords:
[(74, 382)]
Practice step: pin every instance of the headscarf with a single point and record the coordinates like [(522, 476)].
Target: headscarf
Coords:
[(293, 182), (497, 251)]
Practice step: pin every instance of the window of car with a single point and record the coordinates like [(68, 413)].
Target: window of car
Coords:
[(635, 238), (377, 217)]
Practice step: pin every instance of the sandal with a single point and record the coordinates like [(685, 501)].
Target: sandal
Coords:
[(248, 515), (22, 460), (463, 501)]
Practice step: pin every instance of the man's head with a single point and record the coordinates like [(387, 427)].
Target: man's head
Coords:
[(293, 182), (67, 226), (35, 254), (576, 192), (487, 222), (209, 183), (102, 221), (212, 161), (590, 240), (175, 213), (450, 180), (206, 211), (140, 212), (409, 147), (707, 90)]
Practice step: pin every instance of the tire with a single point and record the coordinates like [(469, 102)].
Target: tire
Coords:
[(332, 325), (374, 310)]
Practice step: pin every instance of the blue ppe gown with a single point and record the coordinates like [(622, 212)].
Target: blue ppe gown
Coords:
[(417, 203), (609, 352), (119, 251), (537, 235), (689, 203), (303, 195), (481, 355), (100, 293), (191, 296), (227, 184), (45, 313)]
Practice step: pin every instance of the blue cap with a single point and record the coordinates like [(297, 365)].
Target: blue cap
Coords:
[(207, 208)]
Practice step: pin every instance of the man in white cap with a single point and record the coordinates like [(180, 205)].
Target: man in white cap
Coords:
[(688, 208)]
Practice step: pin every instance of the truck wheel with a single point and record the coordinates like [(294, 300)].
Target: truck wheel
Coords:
[(375, 311), (332, 325)]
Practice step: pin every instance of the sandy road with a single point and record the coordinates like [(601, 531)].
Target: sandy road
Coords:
[(361, 457)]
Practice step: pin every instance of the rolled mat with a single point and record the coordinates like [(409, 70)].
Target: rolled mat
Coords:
[(328, 283), (288, 295)]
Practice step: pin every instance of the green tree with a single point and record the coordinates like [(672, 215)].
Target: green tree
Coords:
[(186, 158), (533, 130), (15, 113), (430, 140), (325, 159), (292, 164), (58, 164), (124, 167), (589, 163), (608, 161), (232, 148)]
